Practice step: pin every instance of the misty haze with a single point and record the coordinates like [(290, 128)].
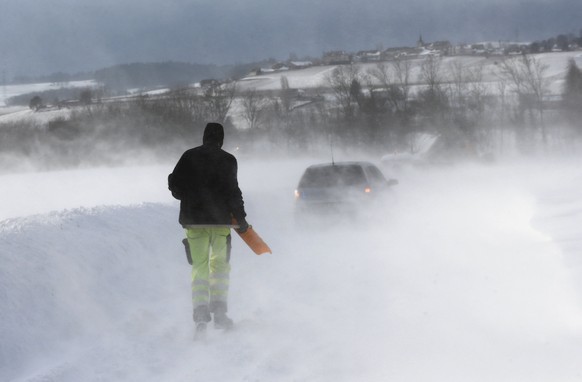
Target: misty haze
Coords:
[(415, 169)]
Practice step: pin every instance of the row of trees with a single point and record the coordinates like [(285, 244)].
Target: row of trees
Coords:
[(385, 107), (474, 110), (456, 101), (563, 42)]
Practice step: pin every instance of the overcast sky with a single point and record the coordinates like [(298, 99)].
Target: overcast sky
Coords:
[(42, 37)]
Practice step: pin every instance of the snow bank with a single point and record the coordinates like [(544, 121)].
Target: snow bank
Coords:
[(70, 279), (27, 194)]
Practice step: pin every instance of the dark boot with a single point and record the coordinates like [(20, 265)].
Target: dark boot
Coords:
[(221, 320), (201, 318), (201, 314), (200, 333)]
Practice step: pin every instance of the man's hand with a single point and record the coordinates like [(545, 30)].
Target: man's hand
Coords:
[(242, 226)]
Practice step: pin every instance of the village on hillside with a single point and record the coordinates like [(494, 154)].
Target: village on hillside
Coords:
[(437, 48), (66, 94)]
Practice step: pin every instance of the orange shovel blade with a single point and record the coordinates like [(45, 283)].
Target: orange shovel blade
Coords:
[(253, 240)]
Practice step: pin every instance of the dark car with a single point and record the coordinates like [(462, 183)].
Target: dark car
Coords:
[(344, 188)]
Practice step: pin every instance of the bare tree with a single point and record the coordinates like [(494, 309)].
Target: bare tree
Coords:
[(382, 73), (35, 103), (384, 84), (537, 86), (477, 102), (402, 68), (510, 71), (458, 84), (434, 98), (502, 90), (501, 86), (394, 81), (181, 106), (430, 72), (526, 74), (86, 97), (572, 92), (285, 95), (477, 88), (341, 81), (467, 97), (254, 105), (218, 99)]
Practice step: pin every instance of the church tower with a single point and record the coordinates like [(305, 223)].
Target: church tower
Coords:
[(420, 43)]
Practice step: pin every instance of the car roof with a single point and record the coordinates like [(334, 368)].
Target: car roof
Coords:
[(339, 164)]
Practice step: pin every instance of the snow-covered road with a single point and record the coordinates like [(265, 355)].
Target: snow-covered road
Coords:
[(472, 275)]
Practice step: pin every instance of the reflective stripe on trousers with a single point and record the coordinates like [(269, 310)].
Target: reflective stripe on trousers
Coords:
[(210, 250)]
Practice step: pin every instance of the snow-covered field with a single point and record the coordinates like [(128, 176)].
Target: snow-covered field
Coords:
[(472, 274), (314, 77), (8, 91), (22, 113)]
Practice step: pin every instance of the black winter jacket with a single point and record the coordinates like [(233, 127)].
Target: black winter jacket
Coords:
[(205, 182)]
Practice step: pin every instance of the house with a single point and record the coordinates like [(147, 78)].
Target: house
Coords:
[(515, 48), (209, 83), (438, 47), (478, 49), (300, 64), (442, 47), (280, 66), (463, 49), (338, 57), (256, 71), (400, 52), (369, 56)]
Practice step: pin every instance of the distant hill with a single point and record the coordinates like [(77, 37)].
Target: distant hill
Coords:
[(166, 74), (147, 75), (143, 75)]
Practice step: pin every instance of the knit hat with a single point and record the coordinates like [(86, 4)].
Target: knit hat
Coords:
[(213, 134)]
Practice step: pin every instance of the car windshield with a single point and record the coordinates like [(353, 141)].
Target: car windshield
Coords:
[(333, 176)]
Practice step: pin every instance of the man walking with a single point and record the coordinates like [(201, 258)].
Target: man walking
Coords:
[(205, 182)]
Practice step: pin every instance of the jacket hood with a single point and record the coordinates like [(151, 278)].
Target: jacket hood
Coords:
[(213, 134)]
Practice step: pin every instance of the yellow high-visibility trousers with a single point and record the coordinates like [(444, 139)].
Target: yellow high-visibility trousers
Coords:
[(210, 252)]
